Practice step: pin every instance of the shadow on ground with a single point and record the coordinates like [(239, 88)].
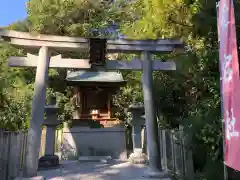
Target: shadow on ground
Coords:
[(74, 170)]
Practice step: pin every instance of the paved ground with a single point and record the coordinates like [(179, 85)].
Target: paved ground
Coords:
[(74, 170)]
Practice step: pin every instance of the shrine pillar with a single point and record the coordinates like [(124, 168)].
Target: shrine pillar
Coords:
[(76, 100)]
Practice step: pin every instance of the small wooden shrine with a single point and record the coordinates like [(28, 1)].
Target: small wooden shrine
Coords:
[(92, 93)]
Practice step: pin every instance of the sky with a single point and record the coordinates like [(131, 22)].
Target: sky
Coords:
[(12, 11)]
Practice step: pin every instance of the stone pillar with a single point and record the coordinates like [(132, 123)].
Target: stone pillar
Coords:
[(37, 115), (137, 123), (151, 121), (51, 122), (50, 138)]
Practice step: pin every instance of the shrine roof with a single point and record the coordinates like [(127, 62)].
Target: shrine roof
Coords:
[(95, 76)]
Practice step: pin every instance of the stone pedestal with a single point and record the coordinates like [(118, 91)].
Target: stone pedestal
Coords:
[(137, 123), (84, 143), (50, 159)]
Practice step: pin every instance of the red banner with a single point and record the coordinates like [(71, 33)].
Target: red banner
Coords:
[(228, 56)]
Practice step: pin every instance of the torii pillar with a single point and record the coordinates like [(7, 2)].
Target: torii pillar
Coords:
[(155, 167), (37, 115)]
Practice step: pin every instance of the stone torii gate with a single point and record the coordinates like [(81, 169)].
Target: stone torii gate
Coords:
[(46, 43)]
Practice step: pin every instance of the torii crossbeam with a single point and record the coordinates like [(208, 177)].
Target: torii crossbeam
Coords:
[(61, 44)]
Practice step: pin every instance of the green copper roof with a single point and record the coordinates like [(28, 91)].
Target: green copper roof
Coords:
[(94, 76)]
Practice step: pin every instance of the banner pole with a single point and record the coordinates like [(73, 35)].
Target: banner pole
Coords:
[(221, 98)]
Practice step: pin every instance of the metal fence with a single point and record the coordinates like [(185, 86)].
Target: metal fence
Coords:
[(12, 149), (175, 156)]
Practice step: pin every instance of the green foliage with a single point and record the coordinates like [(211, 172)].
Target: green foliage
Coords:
[(72, 17), (189, 96), (127, 95), (15, 92)]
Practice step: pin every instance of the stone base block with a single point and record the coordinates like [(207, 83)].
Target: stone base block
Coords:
[(48, 161), (32, 178), (138, 158)]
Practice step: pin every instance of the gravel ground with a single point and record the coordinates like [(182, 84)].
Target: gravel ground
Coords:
[(74, 170)]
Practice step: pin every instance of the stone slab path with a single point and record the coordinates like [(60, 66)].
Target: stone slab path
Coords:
[(75, 170)]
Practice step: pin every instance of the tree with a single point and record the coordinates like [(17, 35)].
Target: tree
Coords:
[(189, 96), (70, 18), (15, 92)]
